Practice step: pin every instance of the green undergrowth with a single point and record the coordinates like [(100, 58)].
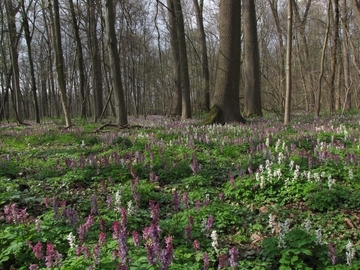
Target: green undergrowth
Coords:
[(277, 197)]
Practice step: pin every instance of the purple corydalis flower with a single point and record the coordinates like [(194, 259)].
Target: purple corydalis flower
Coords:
[(94, 205), (234, 254), (210, 222), (332, 253), (196, 245), (185, 199), (37, 250), (176, 201), (136, 238), (167, 254), (33, 267), (206, 261), (102, 238), (53, 257), (232, 179), (15, 215)]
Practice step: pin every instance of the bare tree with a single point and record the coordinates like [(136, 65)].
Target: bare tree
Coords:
[(80, 59), (28, 38), (114, 61), (334, 54), (205, 102), (11, 11), (59, 58), (184, 68), (252, 61), (226, 105), (288, 64)]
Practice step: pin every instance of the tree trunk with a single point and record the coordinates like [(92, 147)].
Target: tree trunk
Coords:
[(114, 62), (252, 62), (96, 69), (14, 56), (80, 60), (306, 61), (59, 59), (205, 102), (176, 58), (184, 68), (345, 46), (318, 105), (226, 96), (334, 52), (288, 64), (28, 38), (282, 86)]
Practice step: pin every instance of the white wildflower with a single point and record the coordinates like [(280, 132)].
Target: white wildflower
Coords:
[(307, 225), (130, 208), (318, 235), (272, 223), (292, 163), (331, 182), (351, 174), (350, 252), (215, 244), (71, 239)]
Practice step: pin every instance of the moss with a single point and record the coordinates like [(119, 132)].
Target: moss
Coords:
[(214, 116)]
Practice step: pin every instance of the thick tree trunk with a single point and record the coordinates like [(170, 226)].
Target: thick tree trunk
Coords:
[(14, 56), (205, 101), (226, 97), (28, 38), (252, 61), (59, 59), (114, 62), (184, 68), (176, 58), (96, 69)]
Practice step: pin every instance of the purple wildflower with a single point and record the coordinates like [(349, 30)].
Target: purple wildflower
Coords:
[(186, 200), (176, 201), (94, 206), (223, 261), (102, 238), (167, 254), (136, 238), (53, 257), (332, 253), (196, 245), (206, 261), (234, 254), (37, 250), (33, 267), (210, 222)]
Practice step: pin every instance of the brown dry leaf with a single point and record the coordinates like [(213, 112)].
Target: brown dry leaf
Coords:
[(349, 223), (263, 209), (256, 238)]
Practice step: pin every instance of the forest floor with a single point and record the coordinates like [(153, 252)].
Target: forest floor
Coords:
[(172, 194)]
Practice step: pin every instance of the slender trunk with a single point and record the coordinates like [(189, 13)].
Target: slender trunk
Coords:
[(114, 62), (205, 102), (80, 60), (334, 52), (184, 68), (175, 58), (59, 59), (288, 65), (318, 105), (13, 39)]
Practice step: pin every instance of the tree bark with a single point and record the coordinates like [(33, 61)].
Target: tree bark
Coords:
[(176, 58), (318, 105), (96, 69), (59, 59), (28, 38), (184, 68), (334, 52), (14, 56), (226, 96), (346, 65), (80, 60), (252, 61), (288, 64), (205, 102), (114, 62)]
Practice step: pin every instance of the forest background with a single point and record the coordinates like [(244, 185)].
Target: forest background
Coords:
[(55, 57)]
